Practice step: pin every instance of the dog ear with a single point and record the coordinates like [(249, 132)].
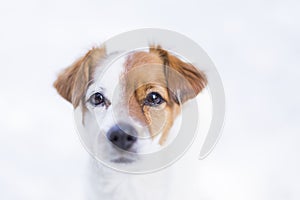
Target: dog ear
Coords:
[(184, 80), (72, 82)]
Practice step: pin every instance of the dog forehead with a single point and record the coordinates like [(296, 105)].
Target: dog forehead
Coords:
[(141, 58), (107, 75)]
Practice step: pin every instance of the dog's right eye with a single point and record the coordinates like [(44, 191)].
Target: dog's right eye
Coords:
[(97, 99)]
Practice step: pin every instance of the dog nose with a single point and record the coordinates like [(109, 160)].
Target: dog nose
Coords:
[(118, 136)]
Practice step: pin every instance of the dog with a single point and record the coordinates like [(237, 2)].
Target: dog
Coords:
[(125, 109)]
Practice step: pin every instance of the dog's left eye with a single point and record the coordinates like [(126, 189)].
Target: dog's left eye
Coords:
[(153, 99), (97, 99)]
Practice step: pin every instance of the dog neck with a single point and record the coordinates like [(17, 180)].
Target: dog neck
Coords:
[(108, 184)]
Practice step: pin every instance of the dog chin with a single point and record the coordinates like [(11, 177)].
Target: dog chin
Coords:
[(121, 157), (123, 160)]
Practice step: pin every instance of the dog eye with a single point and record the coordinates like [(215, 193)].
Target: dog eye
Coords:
[(153, 99), (97, 99)]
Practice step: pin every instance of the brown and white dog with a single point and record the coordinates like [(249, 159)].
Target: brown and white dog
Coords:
[(127, 109)]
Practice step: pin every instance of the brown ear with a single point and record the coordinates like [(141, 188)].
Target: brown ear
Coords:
[(184, 80), (72, 83)]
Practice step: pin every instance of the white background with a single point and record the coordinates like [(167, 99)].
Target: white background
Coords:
[(254, 44)]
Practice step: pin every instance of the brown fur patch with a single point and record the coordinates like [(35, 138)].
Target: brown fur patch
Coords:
[(137, 79), (73, 82), (159, 71), (181, 76)]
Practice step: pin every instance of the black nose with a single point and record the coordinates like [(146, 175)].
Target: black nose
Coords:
[(122, 135)]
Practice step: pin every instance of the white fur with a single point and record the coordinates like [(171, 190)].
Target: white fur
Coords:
[(107, 184)]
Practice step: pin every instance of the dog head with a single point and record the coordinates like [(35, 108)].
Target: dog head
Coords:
[(132, 106)]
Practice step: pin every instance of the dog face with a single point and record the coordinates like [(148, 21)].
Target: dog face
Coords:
[(132, 106)]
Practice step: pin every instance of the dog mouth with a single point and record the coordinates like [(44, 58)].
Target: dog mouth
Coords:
[(122, 160)]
